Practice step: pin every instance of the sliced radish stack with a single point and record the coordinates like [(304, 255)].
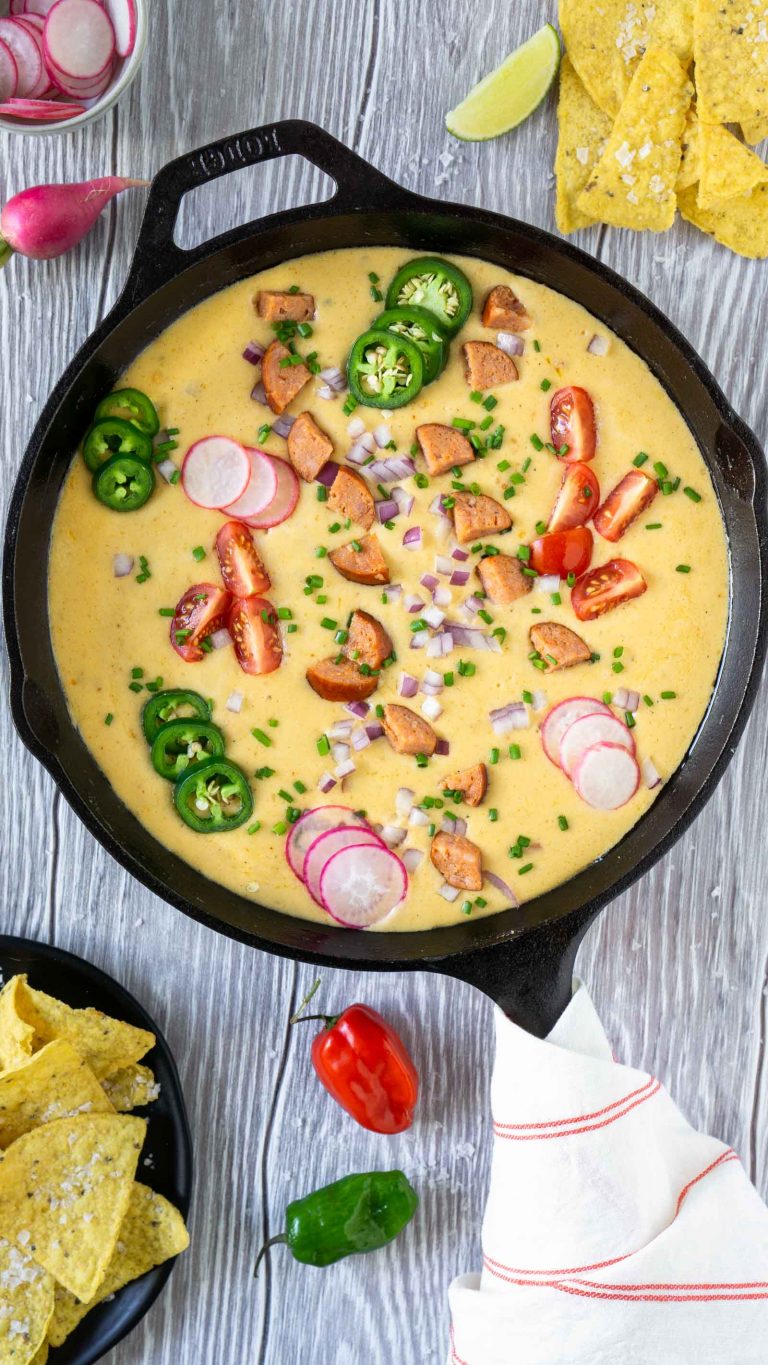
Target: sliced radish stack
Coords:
[(79, 39), (261, 488), (40, 111), (326, 846), (606, 776), (31, 79), (563, 715), (284, 501), (588, 731), (216, 470), (309, 825), (361, 885), (39, 7), (9, 74), (33, 25), (123, 16)]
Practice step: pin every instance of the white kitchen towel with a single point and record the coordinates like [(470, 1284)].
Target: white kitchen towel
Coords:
[(614, 1233)]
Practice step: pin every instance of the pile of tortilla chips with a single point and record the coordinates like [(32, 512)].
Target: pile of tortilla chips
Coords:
[(647, 88), (75, 1225)]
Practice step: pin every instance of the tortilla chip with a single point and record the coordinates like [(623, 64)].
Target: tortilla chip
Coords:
[(53, 1084), (131, 1088), (755, 130), (106, 1044), (64, 1190), (17, 1037), (728, 168), (41, 1356), (689, 164), (741, 224), (633, 183), (152, 1231), (584, 130), (673, 28), (26, 1304), (731, 52)]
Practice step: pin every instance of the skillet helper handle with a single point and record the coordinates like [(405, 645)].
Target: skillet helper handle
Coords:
[(157, 257)]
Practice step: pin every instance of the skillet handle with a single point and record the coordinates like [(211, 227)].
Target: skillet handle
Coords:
[(157, 257)]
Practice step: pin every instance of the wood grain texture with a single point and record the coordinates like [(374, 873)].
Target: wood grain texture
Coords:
[(678, 966)]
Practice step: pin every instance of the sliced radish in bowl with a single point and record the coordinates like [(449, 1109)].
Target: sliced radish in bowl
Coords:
[(41, 111), (9, 74), (41, 8), (215, 471), (562, 716), (261, 489), (606, 776), (79, 39), (361, 885), (307, 828), (31, 79), (285, 498), (123, 16), (591, 730), (327, 845)]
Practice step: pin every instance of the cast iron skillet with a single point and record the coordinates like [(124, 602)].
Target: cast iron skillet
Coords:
[(523, 958), (168, 1143)]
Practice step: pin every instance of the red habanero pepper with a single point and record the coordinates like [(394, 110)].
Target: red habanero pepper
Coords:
[(366, 1067)]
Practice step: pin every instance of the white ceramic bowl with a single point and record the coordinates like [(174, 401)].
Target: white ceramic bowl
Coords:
[(126, 70)]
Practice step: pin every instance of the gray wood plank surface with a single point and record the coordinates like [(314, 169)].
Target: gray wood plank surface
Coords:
[(678, 966)]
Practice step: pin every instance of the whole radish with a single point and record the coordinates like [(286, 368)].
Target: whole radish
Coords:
[(47, 220)]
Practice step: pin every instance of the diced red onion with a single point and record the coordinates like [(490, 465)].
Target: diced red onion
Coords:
[(396, 467), (334, 378), (433, 679), (407, 685), (327, 780), (620, 699), (633, 701), (325, 392), (282, 424), (443, 530), (431, 708), (393, 835), (434, 616), (328, 473), (340, 752), (122, 565), (341, 729), (358, 453), (474, 603), (220, 638), (502, 886), (404, 500), (418, 817), (344, 769), (253, 352), (355, 427), (234, 702), (513, 716), (651, 775), (412, 538), (436, 506), (374, 731), (449, 893), (168, 470), (429, 582), (442, 748), (442, 596), (259, 393), (446, 641), (386, 510), (412, 603), (357, 708), (394, 591), (470, 638), (539, 700), (453, 824), (360, 740), (419, 639), (548, 582), (443, 565), (382, 435), (458, 553), (599, 345), (412, 858), (435, 647), (404, 799), (510, 343)]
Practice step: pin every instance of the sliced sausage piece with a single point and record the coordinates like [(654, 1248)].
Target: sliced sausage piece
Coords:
[(476, 515), (443, 447), (367, 641), (407, 732), (485, 366), (471, 782), (503, 310), (279, 305), (350, 495), (503, 578), (366, 565), (631, 496), (340, 681), (558, 646), (309, 448), (281, 382), (459, 861)]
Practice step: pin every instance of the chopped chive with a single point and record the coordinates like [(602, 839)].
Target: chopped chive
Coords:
[(486, 423), (640, 459), (661, 469), (653, 526), (320, 552), (495, 755), (448, 679), (299, 787), (280, 827), (166, 611), (617, 667), (273, 723), (490, 403), (515, 751), (692, 494), (466, 907), (322, 493), (541, 528), (373, 277), (562, 822), (376, 294), (462, 423), (284, 795), (137, 672), (476, 396), (328, 623), (555, 599), (528, 698), (262, 738), (285, 613), (323, 746), (263, 431), (523, 552), (545, 385), (528, 867), (198, 553), (668, 696), (503, 466), (264, 772), (305, 329), (467, 670), (630, 720), (291, 630), (618, 651), (255, 827), (682, 568), (537, 442), (527, 462), (421, 760), (108, 718), (648, 700), (421, 480), (135, 686), (486, 616), (418, 625)]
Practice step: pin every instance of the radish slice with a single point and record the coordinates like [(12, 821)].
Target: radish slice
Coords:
[(261, 489), (35, 21), (79, 38), (361, 885), (285, 499), (326, 845), (16, 7), (123, 16), (9, 74), (32, 79), (35, 31), (81, 90), (215, 471), (307, 828), (42, 111), (591, 730), (42, 8), (563, 715), (606, 776)]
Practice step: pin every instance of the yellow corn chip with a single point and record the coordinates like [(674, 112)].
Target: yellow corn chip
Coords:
[(633, 183), (106, 1044), (755, 130), (64, 1190), (673, 28), (17, 1037), (26, 1304), (53, 1084), (584, 130), (589, 33), (728, 168), (689, 164), (41, 1356), (731, 52), (131, 1088), (741, 224), (152, 1231)]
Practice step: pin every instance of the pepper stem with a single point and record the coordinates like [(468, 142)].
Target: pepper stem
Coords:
[(273, 1241), (314, 988), (6, 252)]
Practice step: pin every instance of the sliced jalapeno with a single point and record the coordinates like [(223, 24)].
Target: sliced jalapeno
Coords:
[(134, 406), (421, 326), (111, 437), (175, 703), (214, 797), (385, 370), (436, 285), (184, 744), (123, 483)]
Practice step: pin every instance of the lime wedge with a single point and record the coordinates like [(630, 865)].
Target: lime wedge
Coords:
[(510, 93)]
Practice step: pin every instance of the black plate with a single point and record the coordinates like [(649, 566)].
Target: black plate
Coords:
[(168, 1142)]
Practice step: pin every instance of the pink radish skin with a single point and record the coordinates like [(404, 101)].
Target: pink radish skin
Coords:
[(9, 73), (326, 846), (307, 828), (261, 488), (286, 497), (16, 7), (39, 111), (79, 39), (123, 16), (31, 78), (591, 730), (47, 220), (80, 90), (361, 886), (215, 472), (606, 776), (34, 21), (41, 8), (561, 716)]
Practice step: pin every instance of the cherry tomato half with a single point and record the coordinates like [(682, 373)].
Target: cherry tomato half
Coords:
[(242, 570), (563, 552), (202, 610), (572, 422), (578, 498), (253, 626), (607, 587), (624, 504)]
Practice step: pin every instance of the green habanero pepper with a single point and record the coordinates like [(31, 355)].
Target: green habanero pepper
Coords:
[(214, 797), (436, 285), (134, 406), (421, 326), (385, 370), (123, 483), (184, 744), (356, 1214), (175, 703)]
